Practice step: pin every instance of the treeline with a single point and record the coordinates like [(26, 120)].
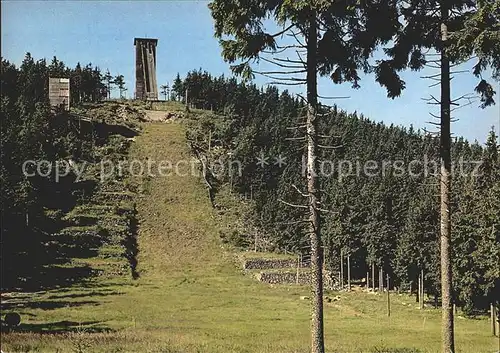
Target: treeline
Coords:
[(87, 84), (35, 141), (30, 131), (31, 199), (379, 186), (212, 93)]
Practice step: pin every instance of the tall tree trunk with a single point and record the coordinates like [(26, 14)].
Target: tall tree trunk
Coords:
[(348, 272), (422, 291), (417, 299), (317, 344), (448, 345), (380, 280), (341, 269), (373, 276)]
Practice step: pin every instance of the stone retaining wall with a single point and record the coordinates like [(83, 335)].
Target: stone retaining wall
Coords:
[(289, 277), (283, 277), (268, 264)]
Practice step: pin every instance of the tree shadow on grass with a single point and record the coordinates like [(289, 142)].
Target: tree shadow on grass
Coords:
[(131, 246), (46, 304), (49, 263), (102, 293), (46, 277), (25, 302), (60, 299), (61, 327)]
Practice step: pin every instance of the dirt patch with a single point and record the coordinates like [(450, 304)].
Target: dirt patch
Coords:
[(162, 116), (344, 309)]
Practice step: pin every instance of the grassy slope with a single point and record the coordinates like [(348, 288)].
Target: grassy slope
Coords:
[(192, 298)]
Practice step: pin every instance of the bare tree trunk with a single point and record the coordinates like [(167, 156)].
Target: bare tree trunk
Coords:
[(298, 269), (497, 318), (422, 289), (348, 272), (388, 298), (493, 320), (373, 276), (419, 291), (448, 345), (380, 280), (317, 344), (341, 269)]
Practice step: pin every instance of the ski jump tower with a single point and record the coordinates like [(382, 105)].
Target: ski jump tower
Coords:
[(145, 69)]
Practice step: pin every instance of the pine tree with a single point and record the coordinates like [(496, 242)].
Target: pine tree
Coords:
[(165, 90), (119, 81), (109, 81), (178, 88), (76, 85)]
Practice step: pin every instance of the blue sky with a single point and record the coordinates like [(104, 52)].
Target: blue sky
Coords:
[(102, 32)]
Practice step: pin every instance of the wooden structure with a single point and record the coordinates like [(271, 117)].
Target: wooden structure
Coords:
[(146, 87), (59, 92)]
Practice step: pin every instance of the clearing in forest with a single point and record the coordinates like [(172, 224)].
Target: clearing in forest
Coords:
[(191, 295)]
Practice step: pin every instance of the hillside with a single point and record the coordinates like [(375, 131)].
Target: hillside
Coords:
[(379, 187), (191, 295)]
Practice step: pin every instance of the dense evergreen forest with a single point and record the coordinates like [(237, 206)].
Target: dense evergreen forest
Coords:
[(383, 211), (34, 198)]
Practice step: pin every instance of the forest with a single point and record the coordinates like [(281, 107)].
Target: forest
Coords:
[(388, 218), (33, 198)]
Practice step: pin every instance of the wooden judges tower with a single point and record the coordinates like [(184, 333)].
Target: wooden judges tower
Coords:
[(145, 69), (59, 92)]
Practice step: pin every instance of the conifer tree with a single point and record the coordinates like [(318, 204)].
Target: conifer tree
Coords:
[(177, 88), (119, 81), (456, 30), (109, 81)]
